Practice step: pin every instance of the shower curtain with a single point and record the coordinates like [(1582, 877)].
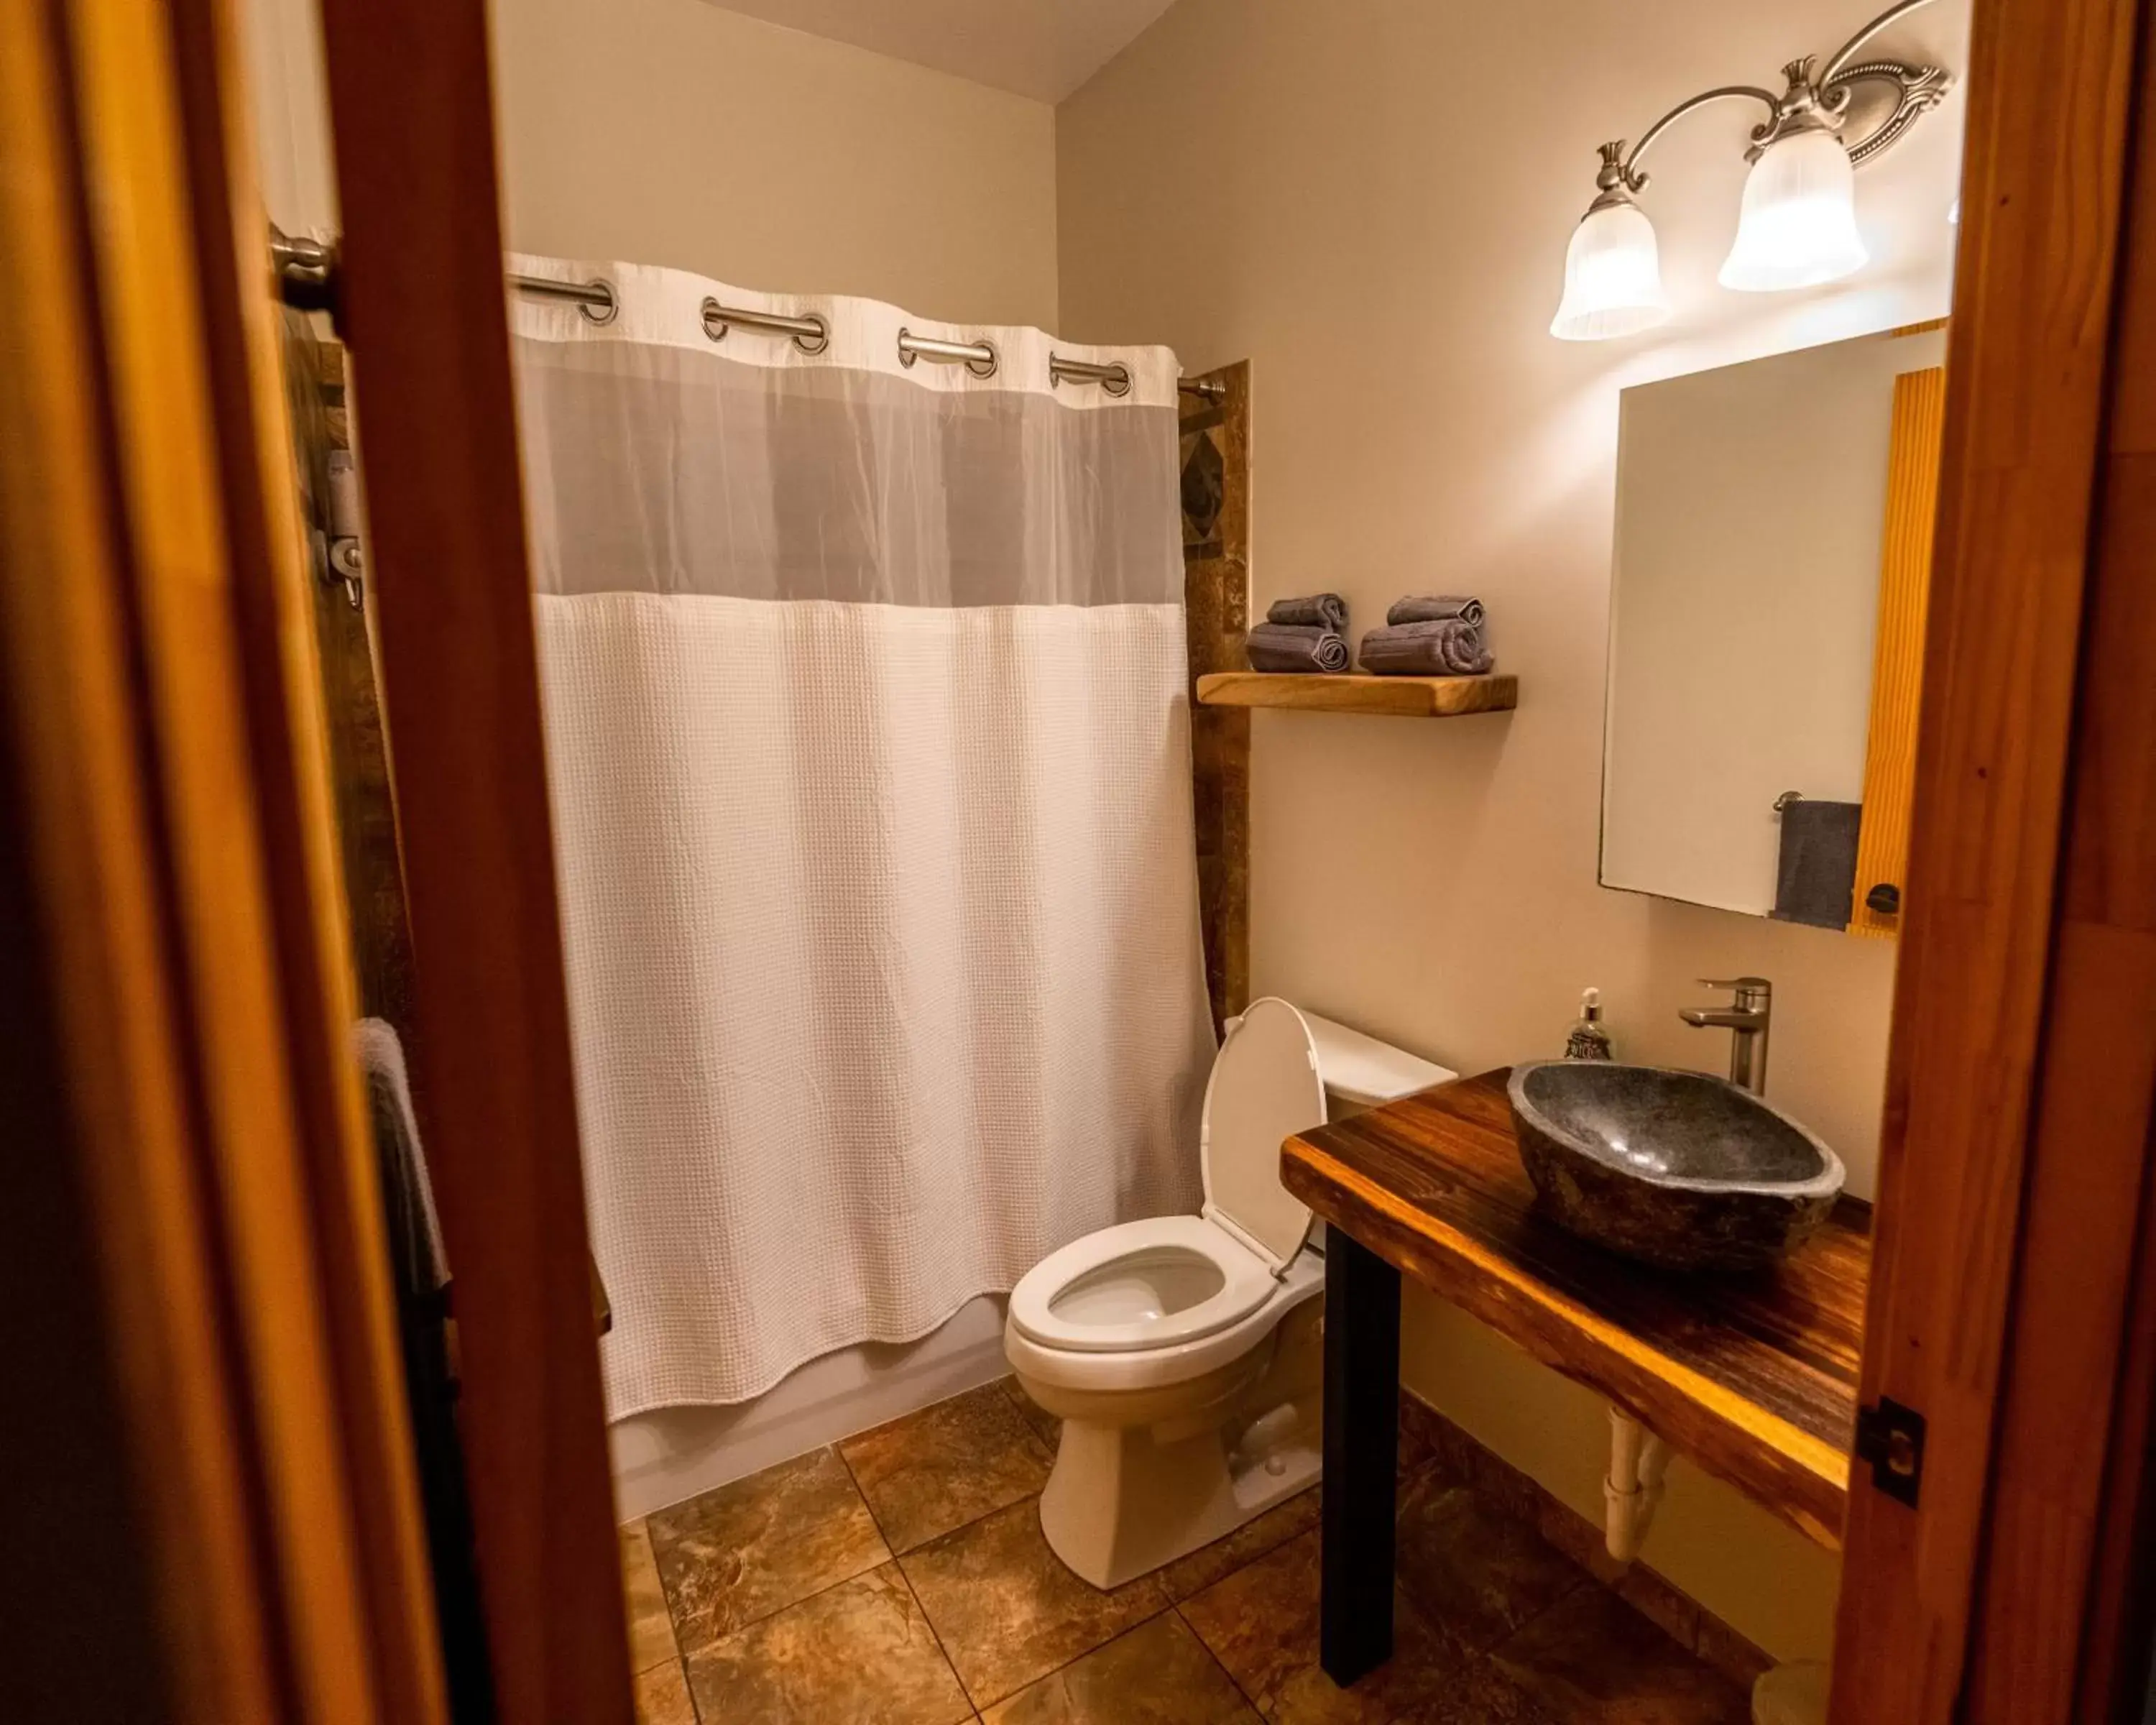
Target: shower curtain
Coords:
[(867, 726)]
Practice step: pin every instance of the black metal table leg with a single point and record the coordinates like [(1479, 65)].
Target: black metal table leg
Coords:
[(1362, 1443)]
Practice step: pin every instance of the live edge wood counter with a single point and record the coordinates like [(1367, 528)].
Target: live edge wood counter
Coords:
[(1753, 1378)]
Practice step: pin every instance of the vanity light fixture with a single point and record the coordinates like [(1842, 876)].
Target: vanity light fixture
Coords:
[(1798, 225)]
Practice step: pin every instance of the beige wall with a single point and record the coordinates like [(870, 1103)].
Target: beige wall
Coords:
[(1370, 200), (672, 131)]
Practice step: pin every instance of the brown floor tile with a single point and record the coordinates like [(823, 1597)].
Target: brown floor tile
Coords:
[(1591, 1660), (1202, 1568), (1478, 1574), (755, 1547), (1156, 1674), (1006, 1608), (662, 1696), (651, 1629), (946, 1466), (860, 1654), (1261, 1623), (1045, 1425)]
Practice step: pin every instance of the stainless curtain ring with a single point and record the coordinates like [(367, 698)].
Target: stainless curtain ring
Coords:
[(985, 367), (605, 313), (1118, 383), (715, 326), (906, 356), (819, 342)]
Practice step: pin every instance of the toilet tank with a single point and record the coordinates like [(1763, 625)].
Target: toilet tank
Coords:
[(1361, 1072)]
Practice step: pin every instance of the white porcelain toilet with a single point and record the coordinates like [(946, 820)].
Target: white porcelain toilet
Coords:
[(1183, 1353)]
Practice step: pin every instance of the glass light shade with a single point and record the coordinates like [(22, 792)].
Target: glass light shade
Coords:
[(1798, 227), (1613, 277)]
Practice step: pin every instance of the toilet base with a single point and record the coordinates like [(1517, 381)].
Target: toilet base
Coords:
[(1124, 1499)]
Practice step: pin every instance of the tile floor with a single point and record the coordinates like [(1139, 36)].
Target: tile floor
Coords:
[(901, 1578)]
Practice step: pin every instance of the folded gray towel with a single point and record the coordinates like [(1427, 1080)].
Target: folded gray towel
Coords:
[(1323, 610), (1437, 608), (1447, 648), (1816, 871), (1290, 647)]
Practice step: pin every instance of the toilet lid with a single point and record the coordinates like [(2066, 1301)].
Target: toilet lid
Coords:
[(1264, 1087)]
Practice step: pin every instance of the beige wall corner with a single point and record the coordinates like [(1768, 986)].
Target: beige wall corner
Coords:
[(675, 132), (1369, 201)]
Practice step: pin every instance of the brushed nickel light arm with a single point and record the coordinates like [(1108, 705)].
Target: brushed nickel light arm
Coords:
[(1810, 103)]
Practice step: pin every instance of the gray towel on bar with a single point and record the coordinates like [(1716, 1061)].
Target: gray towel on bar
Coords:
[(1448, 648), (1437, 608), (1815, 875), (1290, 647), (408, 1195), (1322, 610)]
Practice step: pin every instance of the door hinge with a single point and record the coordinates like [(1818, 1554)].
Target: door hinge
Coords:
[(1890, 1437)]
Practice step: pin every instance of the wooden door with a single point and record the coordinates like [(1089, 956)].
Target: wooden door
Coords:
[(2009, 1310), (204, 1181)]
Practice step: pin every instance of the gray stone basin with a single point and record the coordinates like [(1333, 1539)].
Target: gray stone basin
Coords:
[(1674, 1168)]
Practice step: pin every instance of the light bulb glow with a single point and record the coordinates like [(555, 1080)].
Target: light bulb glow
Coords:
[(1798, 227), (1613, 277)]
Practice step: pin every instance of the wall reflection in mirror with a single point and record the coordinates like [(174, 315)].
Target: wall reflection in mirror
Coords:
[(1772, 546)]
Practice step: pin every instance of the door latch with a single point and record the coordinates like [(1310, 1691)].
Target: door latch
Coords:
[(1890, 1437)]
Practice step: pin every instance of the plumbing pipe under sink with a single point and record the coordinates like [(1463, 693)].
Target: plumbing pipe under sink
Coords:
[(1632, 1490)]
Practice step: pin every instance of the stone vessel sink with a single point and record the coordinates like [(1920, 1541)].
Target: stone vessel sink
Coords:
[(1674, 1168)]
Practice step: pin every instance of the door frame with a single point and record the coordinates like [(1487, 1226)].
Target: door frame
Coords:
[(421, 307), (2014, 1152)]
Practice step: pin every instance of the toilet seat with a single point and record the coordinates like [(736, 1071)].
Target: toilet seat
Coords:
[(1167, 1281), (1092, 1297)]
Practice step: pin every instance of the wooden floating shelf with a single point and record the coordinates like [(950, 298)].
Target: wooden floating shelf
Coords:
[(1403, 697)]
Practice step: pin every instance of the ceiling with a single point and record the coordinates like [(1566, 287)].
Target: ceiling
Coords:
[(1042, 49)]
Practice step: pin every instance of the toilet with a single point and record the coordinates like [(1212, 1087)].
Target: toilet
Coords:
[(1183, 1353)]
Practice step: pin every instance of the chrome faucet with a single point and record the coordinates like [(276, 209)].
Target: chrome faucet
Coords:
[(1746, 1018)]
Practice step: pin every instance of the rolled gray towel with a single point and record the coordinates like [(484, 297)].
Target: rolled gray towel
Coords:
[(1437, 608), (1291, 647), (1448, 647), (1321, 610)]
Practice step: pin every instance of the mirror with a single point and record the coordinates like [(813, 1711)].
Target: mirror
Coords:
[(1771, 556)]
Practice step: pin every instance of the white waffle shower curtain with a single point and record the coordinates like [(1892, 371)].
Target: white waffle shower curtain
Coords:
[(867, 724)]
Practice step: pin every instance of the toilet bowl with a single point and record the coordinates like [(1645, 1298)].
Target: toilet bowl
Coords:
[(1183, 1353)]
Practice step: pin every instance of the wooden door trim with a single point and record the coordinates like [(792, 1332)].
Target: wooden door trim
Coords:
[(2074, 1396), (422, 311), (157, 760), (2050, 85)]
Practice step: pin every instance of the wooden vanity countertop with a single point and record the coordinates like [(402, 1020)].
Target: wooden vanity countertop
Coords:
[(1753, 1377)]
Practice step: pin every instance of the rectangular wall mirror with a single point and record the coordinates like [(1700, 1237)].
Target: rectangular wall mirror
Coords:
[(1773, 545)]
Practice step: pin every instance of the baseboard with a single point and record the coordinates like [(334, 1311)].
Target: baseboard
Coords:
[(1690, 1624)]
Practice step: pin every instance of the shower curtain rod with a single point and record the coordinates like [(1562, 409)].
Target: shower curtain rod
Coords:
[(596, 298), (306, 270)]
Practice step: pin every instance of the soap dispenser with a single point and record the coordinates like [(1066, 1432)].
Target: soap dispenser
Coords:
[(1589, 1040)]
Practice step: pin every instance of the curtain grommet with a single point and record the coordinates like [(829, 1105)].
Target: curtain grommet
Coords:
[(606, 313)]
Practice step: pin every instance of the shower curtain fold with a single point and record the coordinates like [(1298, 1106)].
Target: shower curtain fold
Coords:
[(865, 698)]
